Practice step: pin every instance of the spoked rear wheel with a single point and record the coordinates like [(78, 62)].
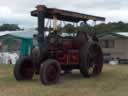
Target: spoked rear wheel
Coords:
[(98, 60), (92, 61)]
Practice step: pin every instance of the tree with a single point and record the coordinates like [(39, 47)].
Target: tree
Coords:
[(69, 28), (98, 29), (9, 27), (85, 27)]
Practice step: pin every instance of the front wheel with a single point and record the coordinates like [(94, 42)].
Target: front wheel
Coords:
[(24, 69), (50, 72)]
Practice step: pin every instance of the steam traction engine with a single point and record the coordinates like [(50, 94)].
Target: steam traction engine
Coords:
[(56, 53)]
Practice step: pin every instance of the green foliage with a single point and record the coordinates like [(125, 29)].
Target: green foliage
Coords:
[(100, 28), (69, 28), (9, 27), (85, 27)]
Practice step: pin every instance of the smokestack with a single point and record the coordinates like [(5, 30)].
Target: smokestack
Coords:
[(41, 22)]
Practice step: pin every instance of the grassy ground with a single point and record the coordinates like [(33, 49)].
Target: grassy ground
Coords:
[(112, 82)]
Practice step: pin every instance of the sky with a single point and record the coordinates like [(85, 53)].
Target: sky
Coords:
[(18, 11)]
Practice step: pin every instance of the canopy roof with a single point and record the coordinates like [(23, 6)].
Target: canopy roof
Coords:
[(113, 36), (24, 34), (125, 34), (65, 15), (27, 34)]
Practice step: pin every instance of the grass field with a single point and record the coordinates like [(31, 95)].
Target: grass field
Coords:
[(112, 82)]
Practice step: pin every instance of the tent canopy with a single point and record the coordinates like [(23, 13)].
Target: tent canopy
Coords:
[(24, 36)]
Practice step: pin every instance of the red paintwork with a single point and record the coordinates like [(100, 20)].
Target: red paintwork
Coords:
[(68, 54), (69, 57)]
